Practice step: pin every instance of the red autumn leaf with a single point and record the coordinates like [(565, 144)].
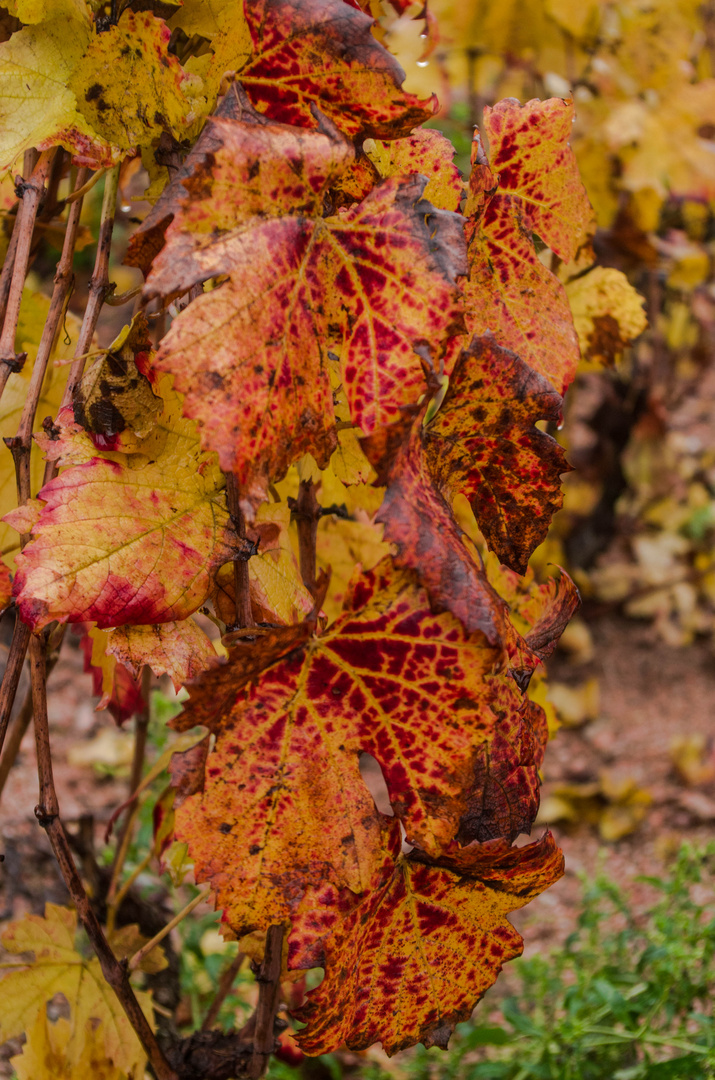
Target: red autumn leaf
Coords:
[(413, 958), (284, 806), (427, 152), (369, 284), (127, 537), (532, 185), (117, 689), (483, 442), (504, 799), (291, 54)]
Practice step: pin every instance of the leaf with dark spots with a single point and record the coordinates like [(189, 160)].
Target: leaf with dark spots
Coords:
[(482, 442), (293, 54), (539, 613), (504, 798), (384, 680), (116, 393), (147, 240), (532, 185), (416, 955), (128, 537), (371, 284)]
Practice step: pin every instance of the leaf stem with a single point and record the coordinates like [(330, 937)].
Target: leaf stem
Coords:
[(81, 191), (139, 955), (32, 192), (269, 982), (47, 813)]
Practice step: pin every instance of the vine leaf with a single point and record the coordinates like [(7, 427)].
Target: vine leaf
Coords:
[(427, 152), (504, 797), (483, 442), (58, 968), (367, 285), (291, 54), (178, 649), (128, 85), (413, 958), (116, 392), (117, 689), (159, 527), (389, 678), (532, 185), (48, 1053)]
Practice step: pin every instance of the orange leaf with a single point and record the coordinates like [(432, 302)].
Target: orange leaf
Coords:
[(178, 649), (427, 152), (369, 284), (127, 537), (532, 185), (284, 806), (292, 54), (117, 689), (415, 956), (482, 442)]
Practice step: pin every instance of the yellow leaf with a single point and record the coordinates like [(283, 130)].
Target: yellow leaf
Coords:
[(202, 17), (36, 106), (37, 11), (178, 649), (49, 1053), (342, 546), (608, 313), (128, 86), (33, 313), (575, 704), (58, 968), (159, 527)]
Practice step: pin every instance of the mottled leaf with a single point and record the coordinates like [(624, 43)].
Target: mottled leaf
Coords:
[(128, 84), (532, 185), (178, 649), (427, 152), (370, 283), (483, 442), (504, 798), (414, 958), (115, 393), (389, 678), (531, 156), (159, 526), (58, 968), (118, 691), (291, 54)]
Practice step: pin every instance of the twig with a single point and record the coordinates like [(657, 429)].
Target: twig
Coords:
[(47, 813), (228, 977), (306, 511), (244, 613), (136, 960), (13, 672), (269, 983), (21, 444), (32, 192), (8, 267), (97, 288), (17, 734), (81, 191), (132, 806)]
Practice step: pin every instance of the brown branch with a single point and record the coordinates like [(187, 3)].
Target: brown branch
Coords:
[(8, 267), (97, 288), (244, 612), (21, 445), (228, 977), (47, 813), (17, 734), (13, 672), (32, 192), (269, 984), (306, 512), (141, 723)]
